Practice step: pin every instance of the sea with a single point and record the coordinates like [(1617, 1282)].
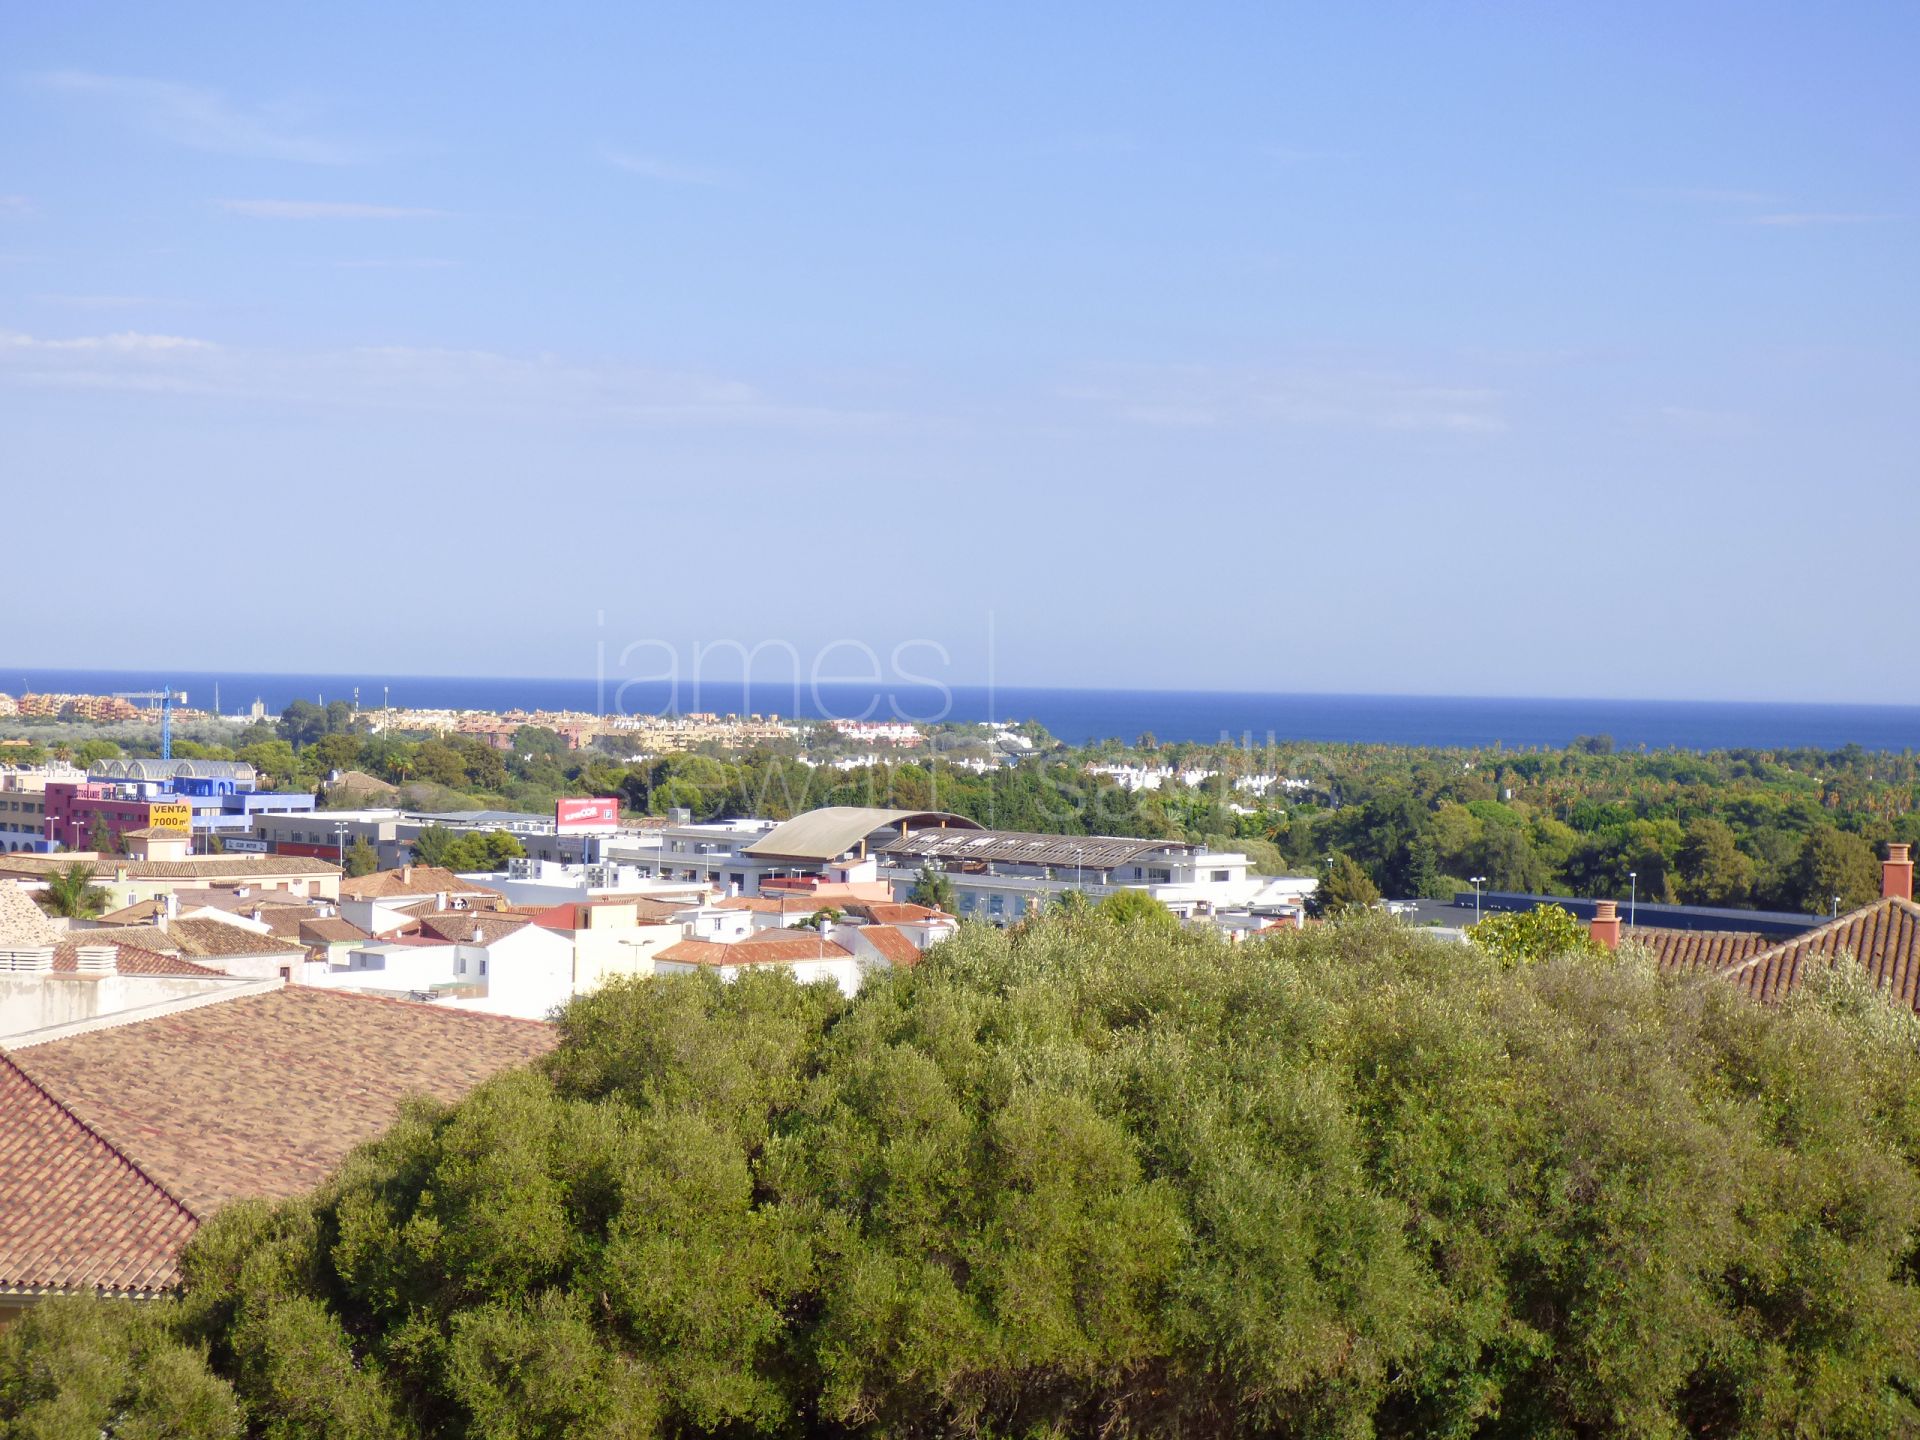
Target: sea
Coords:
[(1074, 715)]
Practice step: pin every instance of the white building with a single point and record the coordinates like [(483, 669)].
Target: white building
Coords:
[(1001, 875)]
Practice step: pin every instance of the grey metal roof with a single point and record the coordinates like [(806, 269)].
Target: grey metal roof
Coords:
[(480, 817), (1778, 923), (169, 769), (833, 830), (1020, 847)]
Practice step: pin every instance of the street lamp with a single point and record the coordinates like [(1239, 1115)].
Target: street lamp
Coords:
[(1476, 881), (340, 837), (1633, 896)]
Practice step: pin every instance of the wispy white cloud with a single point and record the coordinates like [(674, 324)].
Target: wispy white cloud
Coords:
[(127, 342), (670, 172), (327, 210), (1798, 219), (17, 207), (1195, 397), (201, 119), (533, 390)]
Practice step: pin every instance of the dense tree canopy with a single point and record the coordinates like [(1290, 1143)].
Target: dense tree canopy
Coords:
[(1095, 1178)]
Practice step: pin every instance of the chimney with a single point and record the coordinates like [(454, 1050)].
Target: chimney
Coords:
[(1896, 873), (406, 874), (96, 959), (439, 899), (36, 960), (170, 906), (1605, 925)]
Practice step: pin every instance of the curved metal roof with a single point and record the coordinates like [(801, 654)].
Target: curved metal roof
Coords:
[(830, 832), (172, 769)]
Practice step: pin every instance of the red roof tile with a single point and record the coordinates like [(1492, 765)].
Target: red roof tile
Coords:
[(265, 1094), (128, 960), (414, 880), (895, 912), (1883, 936), (770, 947), (206, 937), (1705, 951), (460, 926), (895, 947), (75, 1213)]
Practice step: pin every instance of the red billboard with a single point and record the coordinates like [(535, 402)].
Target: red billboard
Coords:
[(593, 813)]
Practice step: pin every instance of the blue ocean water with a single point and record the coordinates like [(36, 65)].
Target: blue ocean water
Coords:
[(1077, 715)]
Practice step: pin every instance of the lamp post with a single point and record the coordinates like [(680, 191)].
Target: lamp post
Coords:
[(1633, 896), (340, 838), (1476, 881)]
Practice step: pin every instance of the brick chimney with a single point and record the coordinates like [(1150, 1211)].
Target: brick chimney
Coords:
[(1896, 873), (1605, 925)]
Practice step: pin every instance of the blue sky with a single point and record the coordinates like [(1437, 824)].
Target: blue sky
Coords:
[(1405, 348)]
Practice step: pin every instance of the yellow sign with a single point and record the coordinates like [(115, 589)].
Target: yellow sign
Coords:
[(170, 816)]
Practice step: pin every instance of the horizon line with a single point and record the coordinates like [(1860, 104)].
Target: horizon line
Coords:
[(992, 686)]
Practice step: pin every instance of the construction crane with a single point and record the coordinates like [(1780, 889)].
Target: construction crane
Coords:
[(166, 699)]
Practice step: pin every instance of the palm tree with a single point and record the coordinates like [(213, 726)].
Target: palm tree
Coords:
[(71, 893)]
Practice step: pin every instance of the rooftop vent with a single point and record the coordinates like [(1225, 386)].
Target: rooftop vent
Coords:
[(97, 959)]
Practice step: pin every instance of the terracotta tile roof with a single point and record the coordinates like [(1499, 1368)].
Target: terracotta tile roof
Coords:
[(215, 866), (360, 780), (770, 947), (242, 899), (413, 880), (895, 912), (75, 1213), (138, 913), (284, 922), (128, 960), (1883, 936), (141, 937), (1688, 951), (895, 947), (22, 922), (265, 1094), (458, 926), (209, 937)]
